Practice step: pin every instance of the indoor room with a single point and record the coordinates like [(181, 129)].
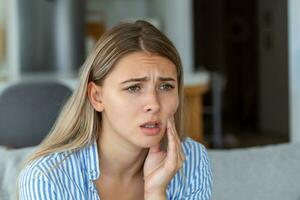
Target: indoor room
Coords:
[(240, 95)]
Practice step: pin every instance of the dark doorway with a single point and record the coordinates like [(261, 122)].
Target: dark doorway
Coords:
[(226, 41)]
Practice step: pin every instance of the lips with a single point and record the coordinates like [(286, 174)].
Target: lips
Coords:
[(151, 128), (151, 124)]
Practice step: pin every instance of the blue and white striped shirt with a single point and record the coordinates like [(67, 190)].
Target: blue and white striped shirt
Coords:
[(70, 175)]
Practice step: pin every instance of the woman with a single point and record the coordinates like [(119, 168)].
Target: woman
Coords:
[(118, 136)]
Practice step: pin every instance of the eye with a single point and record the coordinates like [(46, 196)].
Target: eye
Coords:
[(166, 86), (133, 88)]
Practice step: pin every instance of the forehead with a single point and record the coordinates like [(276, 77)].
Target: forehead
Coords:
[(142, 62)]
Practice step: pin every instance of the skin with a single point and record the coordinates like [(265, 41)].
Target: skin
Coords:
[(142, 87)]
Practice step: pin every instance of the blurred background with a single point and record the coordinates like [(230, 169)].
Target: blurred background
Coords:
[(241, 58)]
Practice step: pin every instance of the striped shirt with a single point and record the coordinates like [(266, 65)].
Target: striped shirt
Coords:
[(71, 175)]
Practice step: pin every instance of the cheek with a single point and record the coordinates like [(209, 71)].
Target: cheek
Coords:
[(116, 107), (171, 106)]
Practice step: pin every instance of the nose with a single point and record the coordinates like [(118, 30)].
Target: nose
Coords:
[(152, 102)]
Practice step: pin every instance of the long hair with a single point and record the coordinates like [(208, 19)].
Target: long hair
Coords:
[(78, 123)]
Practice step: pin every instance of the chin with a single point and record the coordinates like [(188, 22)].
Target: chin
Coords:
[(148, 142)]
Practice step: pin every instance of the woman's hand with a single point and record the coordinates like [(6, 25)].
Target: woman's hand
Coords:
[(161, 166)]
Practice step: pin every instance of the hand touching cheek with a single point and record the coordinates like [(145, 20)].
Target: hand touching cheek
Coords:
[(161, 166)]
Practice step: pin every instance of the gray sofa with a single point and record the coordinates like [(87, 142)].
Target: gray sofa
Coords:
[(260, 173)]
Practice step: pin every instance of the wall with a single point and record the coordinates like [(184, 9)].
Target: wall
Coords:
[(177, 16), (174, 17), (114, 11), (294, 68), (10, 66), (273, 66), (2, 35)]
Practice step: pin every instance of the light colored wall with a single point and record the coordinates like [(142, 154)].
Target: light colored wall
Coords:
[(294, 68), (2, 13), (11, 65), (2, 29), (116, 10), (174, 17), (177, 17), (13, 58), (273, 67)]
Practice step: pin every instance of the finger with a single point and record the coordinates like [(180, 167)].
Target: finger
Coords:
[(174, 129), (172, 149), (171, 124), (182, 157), (179, 153)]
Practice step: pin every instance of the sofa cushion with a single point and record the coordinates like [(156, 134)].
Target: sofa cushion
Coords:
[(260, 173)]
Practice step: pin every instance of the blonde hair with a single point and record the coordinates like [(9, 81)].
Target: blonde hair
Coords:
[(78, 123)]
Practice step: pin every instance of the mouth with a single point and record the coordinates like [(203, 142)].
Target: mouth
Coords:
[(151, 128)]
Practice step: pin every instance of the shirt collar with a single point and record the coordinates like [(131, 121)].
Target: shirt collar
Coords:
[(90, 158)]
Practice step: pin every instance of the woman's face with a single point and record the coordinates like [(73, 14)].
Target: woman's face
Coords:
[(138, 96)]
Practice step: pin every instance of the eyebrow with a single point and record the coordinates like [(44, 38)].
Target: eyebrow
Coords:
[(143, 79)]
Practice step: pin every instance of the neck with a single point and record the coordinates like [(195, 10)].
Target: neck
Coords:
[(119, 159)]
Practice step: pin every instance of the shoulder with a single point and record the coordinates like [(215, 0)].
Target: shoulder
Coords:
[(194, 151), (41, 168), (46, 171), (196, 159), (45, 177), (34, 179), (57, 176)]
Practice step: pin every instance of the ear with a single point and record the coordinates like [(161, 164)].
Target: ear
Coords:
[(95, 96)]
